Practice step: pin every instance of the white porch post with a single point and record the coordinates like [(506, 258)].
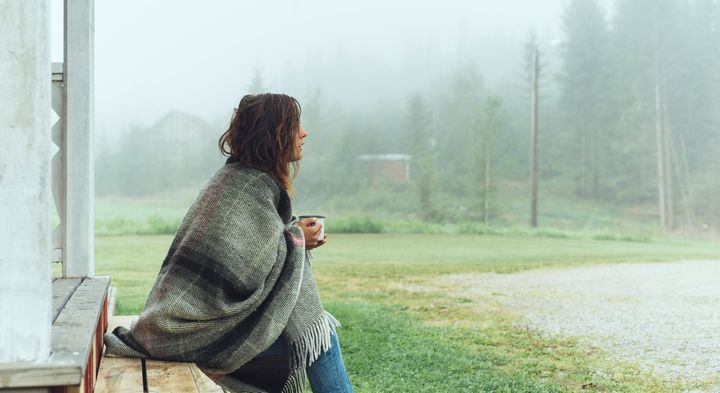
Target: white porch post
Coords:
[(25, 274), (78, 248)]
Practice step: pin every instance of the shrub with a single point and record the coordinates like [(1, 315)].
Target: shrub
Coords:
[(355, 225), (162, 225)]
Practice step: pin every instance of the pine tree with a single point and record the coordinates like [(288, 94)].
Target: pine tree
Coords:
[(584, 95), (257, 84), (694, 95), (646, 47), (492, 124), (423, 173), (459, 120)]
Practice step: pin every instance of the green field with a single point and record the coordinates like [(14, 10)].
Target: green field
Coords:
[(395, 340), (161, 215)]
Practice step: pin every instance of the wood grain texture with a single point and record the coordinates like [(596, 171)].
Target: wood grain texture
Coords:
[(79, 119), (112, 300), (17, 375), (163, 377), (119, 375), (72, 340), (203, 382), (73, 331), (62, 289), (170, 377), (57, 164), (76, 388)]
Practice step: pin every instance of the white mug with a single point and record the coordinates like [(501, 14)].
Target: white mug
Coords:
[(319, 220)]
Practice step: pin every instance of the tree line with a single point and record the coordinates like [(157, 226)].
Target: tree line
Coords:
[(628, 116), (639, 99), (631, 118)]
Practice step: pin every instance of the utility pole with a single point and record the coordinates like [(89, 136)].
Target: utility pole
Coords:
[(661, 170), (533, 136)]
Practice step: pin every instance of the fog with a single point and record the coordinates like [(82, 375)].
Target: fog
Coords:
[(628, 128), (152, 57)]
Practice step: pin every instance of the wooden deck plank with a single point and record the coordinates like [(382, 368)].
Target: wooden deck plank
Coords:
[(119, 375), (170, 377), (62, 289), (73, 331), (162, 376), (112, 300), (203, 382), (72, 340), (31, 374)]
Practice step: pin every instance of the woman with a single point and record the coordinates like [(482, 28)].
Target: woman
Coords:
[(235, 293)]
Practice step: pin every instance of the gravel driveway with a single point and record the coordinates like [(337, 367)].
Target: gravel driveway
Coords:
[(665, 317)]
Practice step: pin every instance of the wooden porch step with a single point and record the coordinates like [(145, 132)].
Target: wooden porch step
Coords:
[(129, 375)]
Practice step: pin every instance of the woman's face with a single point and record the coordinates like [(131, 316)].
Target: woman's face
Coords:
[(299, 142)]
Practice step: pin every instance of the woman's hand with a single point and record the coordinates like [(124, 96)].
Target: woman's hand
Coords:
[(311, 230)]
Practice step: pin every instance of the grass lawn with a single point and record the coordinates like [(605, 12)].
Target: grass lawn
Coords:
[(395, 340)]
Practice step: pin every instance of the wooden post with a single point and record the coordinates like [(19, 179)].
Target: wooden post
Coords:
[(669, 165), (486, 202), (78, 250), (533, 137), (58, 161), (25, 277), (659, 142)]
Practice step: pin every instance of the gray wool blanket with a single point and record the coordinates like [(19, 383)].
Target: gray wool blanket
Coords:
[(236, 278)]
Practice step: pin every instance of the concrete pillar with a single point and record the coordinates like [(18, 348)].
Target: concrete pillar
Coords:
[(25, 273)]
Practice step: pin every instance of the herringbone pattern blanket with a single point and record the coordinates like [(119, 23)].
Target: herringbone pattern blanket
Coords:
[(236, 277)]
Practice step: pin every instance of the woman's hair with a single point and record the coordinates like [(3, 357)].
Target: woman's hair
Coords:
[(262, 135)]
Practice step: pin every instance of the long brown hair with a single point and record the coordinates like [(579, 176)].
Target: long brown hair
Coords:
[(262, 135)]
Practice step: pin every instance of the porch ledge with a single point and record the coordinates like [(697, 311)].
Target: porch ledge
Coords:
[(78, 306)]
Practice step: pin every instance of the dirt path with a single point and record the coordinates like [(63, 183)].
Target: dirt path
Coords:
[(665, 317)]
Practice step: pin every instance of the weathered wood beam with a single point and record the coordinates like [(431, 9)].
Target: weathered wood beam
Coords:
[(58, 161), (62, 290), (78, 249), (120, 375), (73, 340)]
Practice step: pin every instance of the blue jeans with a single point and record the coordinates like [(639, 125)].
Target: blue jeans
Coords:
[(327, 374)]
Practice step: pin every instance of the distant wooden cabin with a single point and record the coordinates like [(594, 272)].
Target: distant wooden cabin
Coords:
[(182, 138), (394, 168), (178, 130), (178, 150)]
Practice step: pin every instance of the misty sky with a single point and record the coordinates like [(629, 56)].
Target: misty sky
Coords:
[(154, 56)]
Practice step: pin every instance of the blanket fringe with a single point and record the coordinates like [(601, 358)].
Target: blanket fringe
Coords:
[(296, 382), (334, 323), (305, 351)]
